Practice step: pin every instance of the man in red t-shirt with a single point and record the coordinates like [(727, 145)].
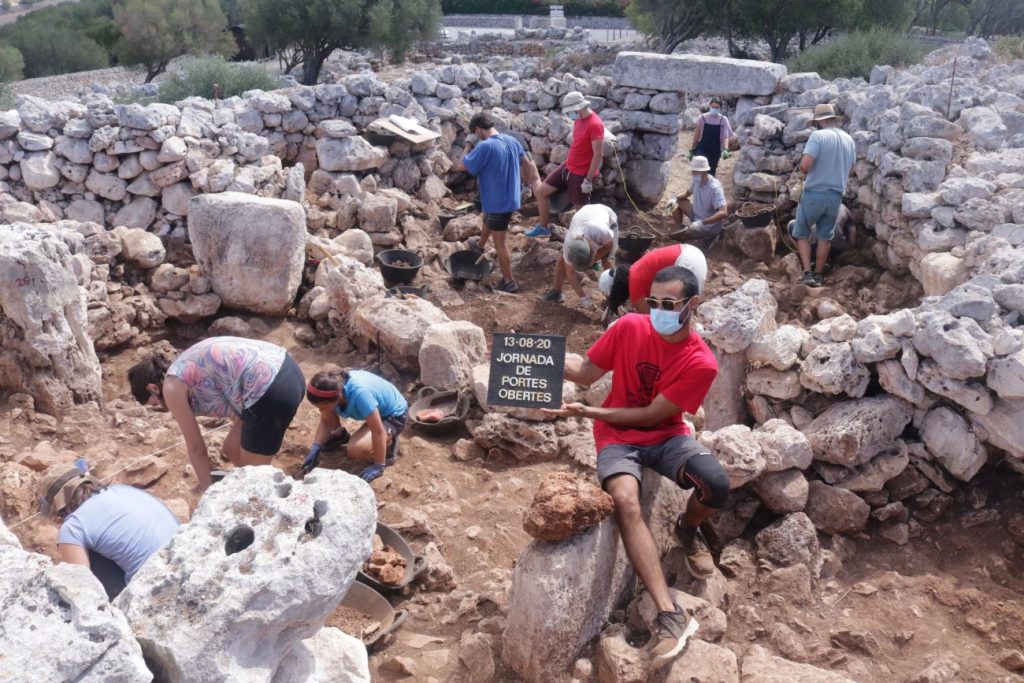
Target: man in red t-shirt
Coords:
[(661, 369), (576, 174)]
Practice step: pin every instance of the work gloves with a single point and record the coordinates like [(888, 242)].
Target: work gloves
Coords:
[(587, 186), (312, 459), (725, 154), (696, 225), (371, 473)]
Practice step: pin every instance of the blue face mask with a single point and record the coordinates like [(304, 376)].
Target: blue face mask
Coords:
[(714, 111), (667, 323), (573, 115)]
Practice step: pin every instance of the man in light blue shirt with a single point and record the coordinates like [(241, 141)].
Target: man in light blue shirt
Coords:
[(112, 530), (828, 157), (499, 162)]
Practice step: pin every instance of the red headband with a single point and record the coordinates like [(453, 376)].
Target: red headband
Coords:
[(321, 393)]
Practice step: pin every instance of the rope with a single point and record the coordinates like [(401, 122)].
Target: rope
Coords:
[(116, 472), (625, 187)]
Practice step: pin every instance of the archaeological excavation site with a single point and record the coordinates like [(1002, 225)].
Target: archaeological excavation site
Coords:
[(273, 409)]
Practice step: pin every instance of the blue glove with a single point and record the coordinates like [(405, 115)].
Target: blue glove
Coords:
[(371, 473), (312, 460)]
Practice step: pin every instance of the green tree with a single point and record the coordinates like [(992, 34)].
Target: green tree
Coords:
[(780, 22), (12, 65), (669, 23), (313, 29), (992, 17), (153, 32)]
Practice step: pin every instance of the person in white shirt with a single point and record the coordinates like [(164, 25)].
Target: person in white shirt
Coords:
[(593, 237)]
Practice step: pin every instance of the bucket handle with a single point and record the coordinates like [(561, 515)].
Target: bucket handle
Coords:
[(400, 617), (419, 565), (426, 391)]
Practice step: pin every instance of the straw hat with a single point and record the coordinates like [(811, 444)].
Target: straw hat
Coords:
[(700, 164), (574, 101), (823, 112)]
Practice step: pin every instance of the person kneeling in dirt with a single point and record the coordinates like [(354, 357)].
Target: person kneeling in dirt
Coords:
[(256, 384), (632, 283), (593, 237), (661, 369), (112, 530), (357, 395), (703, 204), (843, 237)]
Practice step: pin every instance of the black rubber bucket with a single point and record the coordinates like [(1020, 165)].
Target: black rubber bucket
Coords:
[(399, 275)]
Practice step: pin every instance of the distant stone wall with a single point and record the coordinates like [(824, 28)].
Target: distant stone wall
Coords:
[(511, 21)]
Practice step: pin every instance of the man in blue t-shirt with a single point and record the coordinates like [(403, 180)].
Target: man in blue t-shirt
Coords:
[(498, 161), (112, 530), (828, 157)]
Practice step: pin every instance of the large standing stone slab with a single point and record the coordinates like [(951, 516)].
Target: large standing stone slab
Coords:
[(697, 74), (45, 349), (449, 353), (251, 248), (263, 562), (58, 626)]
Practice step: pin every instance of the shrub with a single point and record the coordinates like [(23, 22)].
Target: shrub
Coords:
[(1011, 47), (198, 77), (71, 36), (854, 54), (12, 65)]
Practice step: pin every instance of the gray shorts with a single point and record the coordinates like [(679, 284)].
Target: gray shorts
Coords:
[(667, 458)]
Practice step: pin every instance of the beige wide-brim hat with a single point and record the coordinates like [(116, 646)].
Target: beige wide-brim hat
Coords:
[(574, 101), (823, 112), (700, 164), (57, 491)]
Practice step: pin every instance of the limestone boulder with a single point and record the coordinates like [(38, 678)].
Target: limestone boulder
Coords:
[(833, 369), (527, 441), (734, 321), (189, 308), (836, 510), (139, 213), (872, 475), (397, 326), (852, 432), (258, 537), (958, 345), (1003, 426), (616, 660), (45, 348), (449, 353), (783, 386), (39, 170), (350, 283), (724, 403), (738, 451), (761, 666), (704, 662), (783, 447), (647, 178), (697, 73), (782, 492), (564, 505), (350, 153), (331, 656), (789, 541), (141, 248), (951, 440), (779, 348), (1006, 376), (251, 248), (59, 626)]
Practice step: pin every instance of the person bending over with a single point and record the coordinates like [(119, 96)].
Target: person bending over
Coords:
[(703, 204), (633, 283), (255, 384), (593, 237), (357, 395), (661, 368), (112, 530)]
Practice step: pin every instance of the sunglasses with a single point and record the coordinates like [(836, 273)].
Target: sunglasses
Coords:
[(664, 304)]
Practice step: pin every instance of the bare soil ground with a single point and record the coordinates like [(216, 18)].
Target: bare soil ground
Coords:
[(889, 612)]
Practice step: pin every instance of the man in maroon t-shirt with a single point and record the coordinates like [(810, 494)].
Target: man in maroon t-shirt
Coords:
[(661, 369), (576, 174)]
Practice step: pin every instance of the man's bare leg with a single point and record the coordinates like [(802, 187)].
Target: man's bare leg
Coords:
[(636, 537), (504, 255), (824, 247), (543, 194), (804, 245)]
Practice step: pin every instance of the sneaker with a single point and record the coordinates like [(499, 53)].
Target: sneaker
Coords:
[(696, 554), (670, 633), (338, 438), (538, 231), (819, 280), (510, 287), (392, 453), (553, 295), (807, 278)]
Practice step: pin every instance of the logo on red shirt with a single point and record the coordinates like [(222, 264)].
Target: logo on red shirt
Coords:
[(648, 375)]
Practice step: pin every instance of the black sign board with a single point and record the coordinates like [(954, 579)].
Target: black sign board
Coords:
[(526, 371)]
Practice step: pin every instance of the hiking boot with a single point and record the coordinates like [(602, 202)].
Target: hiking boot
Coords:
[(670, 633), (819, 280), (696, 554), (538, 231), (391, 455), (510, 287), (807, 278), (553, 295), (337, 439)]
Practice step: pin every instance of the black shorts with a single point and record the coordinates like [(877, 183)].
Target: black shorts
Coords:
[(497, 222), (681, 458), (265, 421)]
